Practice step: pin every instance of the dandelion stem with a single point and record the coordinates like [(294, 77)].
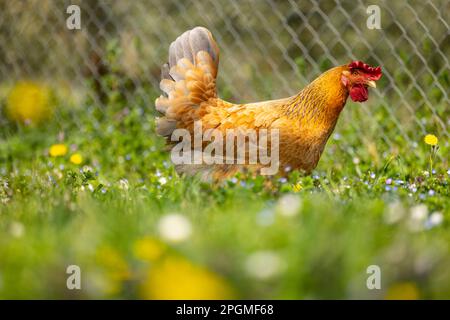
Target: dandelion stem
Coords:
[(431, 162)]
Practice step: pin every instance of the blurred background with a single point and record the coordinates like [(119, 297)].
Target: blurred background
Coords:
[(269, 49)]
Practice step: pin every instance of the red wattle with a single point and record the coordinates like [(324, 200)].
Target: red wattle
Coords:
[(359, 93)]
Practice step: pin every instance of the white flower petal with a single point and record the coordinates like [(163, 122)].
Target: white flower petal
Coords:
[(174, 227), (289, 205), (263, 265)]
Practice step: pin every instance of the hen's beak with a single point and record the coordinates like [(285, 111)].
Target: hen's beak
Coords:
[(371, 83)]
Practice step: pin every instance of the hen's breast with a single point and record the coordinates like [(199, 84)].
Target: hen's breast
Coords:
[(302, 145)]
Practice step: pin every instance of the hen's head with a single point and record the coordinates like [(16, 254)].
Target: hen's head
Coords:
[(357, 77)]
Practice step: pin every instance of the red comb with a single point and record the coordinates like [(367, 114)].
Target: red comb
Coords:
[(374, 73)]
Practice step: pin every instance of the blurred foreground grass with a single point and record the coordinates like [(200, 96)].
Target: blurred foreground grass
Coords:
[(94, 188)]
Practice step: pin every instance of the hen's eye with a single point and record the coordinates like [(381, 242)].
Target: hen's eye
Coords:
[(354, 73)]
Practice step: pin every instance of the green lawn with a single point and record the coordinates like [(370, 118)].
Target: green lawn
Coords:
[(138, 230)]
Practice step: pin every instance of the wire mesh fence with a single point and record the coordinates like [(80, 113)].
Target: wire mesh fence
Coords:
[(269, 49)]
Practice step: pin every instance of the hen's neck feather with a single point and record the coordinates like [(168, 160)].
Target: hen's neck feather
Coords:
[(322, 100)]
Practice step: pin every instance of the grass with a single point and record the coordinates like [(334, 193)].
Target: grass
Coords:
[(301, 237)]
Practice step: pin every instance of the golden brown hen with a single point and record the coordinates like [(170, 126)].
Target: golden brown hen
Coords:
[(304, 121)]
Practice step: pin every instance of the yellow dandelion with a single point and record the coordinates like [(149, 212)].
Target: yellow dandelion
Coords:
[(403, 291), (297, 187), (148, 249), (111, 259), (29, 103), (175, 278), (115, 269), (58, 150), (431, 139), (76, 158)]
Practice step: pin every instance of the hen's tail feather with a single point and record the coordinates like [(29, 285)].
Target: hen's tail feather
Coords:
[(188, 79)]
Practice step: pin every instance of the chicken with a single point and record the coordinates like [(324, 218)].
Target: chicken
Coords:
[(304, 122)]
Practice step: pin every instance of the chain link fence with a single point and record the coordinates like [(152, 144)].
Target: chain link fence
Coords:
[(269, 49)]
